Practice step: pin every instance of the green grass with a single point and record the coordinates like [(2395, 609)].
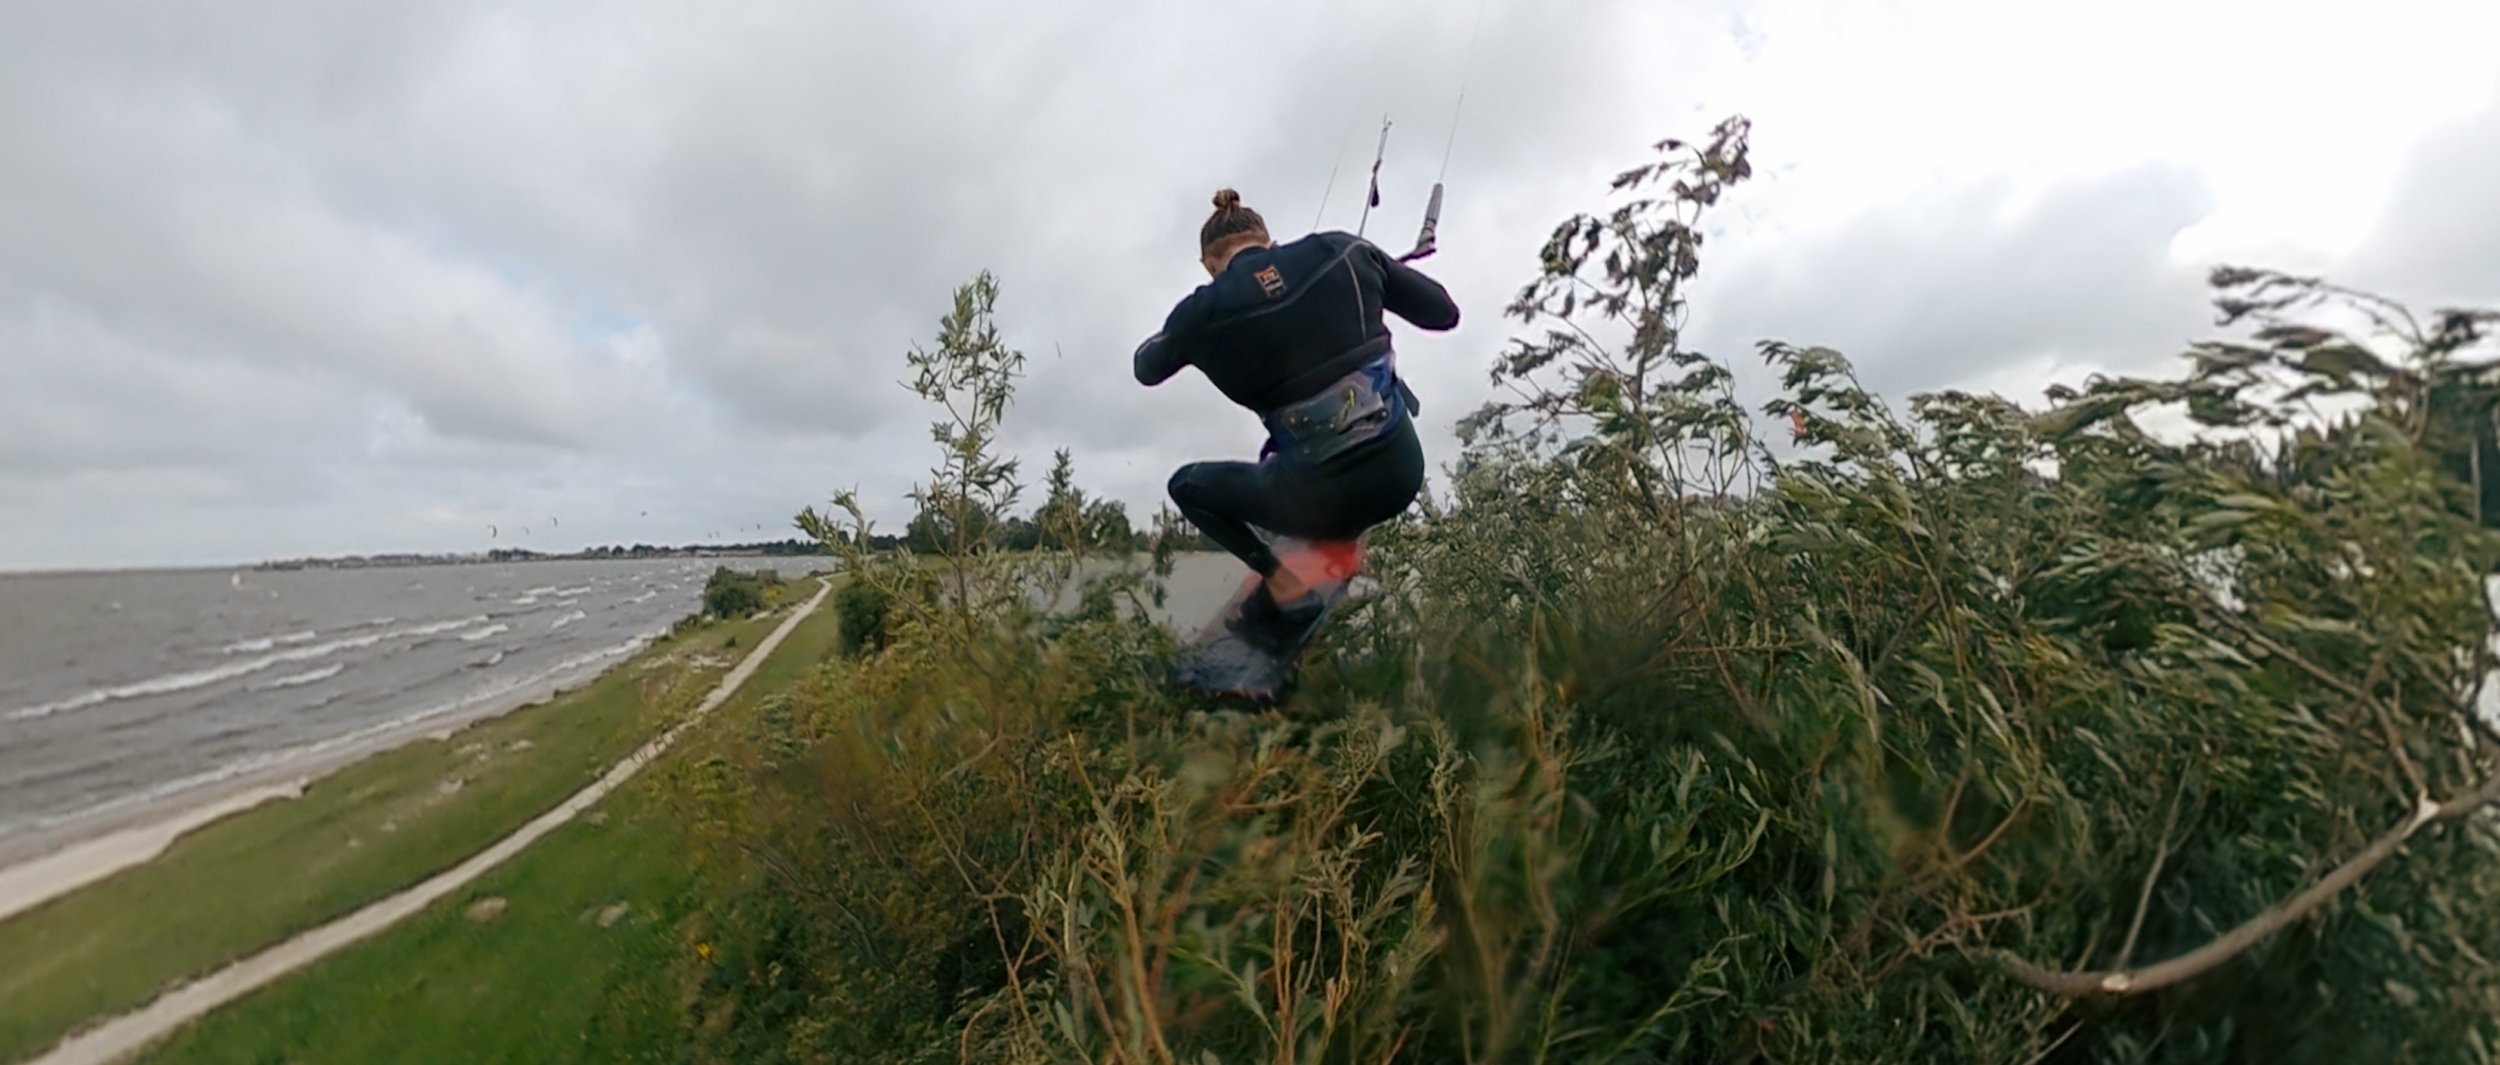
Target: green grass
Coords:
[(813, 641), (544, 980), (246, 882)]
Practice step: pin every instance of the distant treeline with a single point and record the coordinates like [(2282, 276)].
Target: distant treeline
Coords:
[(762, 547), (1106, 522), (1065, 517)]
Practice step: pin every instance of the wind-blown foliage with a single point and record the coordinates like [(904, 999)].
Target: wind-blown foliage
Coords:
[(1966, 733)]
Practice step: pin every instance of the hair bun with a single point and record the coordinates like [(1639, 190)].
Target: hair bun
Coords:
[(1226, 199)]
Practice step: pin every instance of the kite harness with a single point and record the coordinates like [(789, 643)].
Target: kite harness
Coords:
[(1358, 408)]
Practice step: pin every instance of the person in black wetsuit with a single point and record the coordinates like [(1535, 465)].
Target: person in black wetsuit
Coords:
[(1294, 333)]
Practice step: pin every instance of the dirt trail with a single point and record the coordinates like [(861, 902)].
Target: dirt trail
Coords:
[(123, 1037)]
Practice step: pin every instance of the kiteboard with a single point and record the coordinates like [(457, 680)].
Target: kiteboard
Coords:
[(1220, 661)]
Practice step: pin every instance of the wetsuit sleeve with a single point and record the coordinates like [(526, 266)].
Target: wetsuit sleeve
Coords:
[(1409, 294), (1158, 359), (1164, 353)]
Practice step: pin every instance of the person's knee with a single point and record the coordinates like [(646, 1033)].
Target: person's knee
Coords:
[(1201, 486), (1186, 487)]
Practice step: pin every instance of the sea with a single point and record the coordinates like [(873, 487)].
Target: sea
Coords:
[(123, 688)]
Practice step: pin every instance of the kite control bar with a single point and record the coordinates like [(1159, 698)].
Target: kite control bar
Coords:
[(1424, 240), (1424, 245)]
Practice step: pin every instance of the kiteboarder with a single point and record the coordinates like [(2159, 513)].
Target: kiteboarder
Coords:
[(1295, 334)]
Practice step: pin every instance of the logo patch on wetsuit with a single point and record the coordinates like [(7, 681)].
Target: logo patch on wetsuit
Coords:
[(1270, 281)]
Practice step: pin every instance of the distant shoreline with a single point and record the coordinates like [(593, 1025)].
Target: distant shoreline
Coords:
[(797, 550), (398, 562), (522, 555)]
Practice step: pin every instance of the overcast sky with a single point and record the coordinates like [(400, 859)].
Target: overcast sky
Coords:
[(340, 276)]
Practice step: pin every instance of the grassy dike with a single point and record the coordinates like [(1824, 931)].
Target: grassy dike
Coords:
[(246, 882), (576, 962)]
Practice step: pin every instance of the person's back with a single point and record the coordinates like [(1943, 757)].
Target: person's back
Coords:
[(1295, 333), (1278, 323)]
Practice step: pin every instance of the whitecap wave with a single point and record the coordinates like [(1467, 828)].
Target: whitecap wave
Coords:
[(264, 643), (251, 763), (310, 676), (187, 680)]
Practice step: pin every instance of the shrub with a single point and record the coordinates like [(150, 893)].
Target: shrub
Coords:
[(1979, 734), (862, 607), (731, 594)]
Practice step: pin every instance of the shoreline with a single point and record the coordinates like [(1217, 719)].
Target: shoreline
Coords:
[(45, 863), (278, 566), (123, 1036)]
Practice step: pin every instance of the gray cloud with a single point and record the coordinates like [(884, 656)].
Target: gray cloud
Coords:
[(2437, 240), (305, 277), (1938, 290)]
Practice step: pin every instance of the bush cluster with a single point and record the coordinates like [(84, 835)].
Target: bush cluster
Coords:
[(732, 594), (1963, 734)]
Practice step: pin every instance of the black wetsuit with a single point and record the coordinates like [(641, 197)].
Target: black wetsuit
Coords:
[(1279, 325)]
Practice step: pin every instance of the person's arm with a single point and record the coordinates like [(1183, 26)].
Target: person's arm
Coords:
[(1409, 294), (1164, 353), (1158, 359)]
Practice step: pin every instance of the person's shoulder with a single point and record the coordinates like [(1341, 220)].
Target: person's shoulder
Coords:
[(1193, 306), (1340, 242), (1328, 244)]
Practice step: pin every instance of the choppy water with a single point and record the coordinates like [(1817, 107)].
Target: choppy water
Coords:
[(120, 687)]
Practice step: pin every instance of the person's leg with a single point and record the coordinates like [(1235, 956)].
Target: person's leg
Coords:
[(1334, 502), (1372, 486), (1223, 499), (1338, 501)]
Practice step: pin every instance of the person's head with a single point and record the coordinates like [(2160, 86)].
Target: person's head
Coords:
[(1230, 229)]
